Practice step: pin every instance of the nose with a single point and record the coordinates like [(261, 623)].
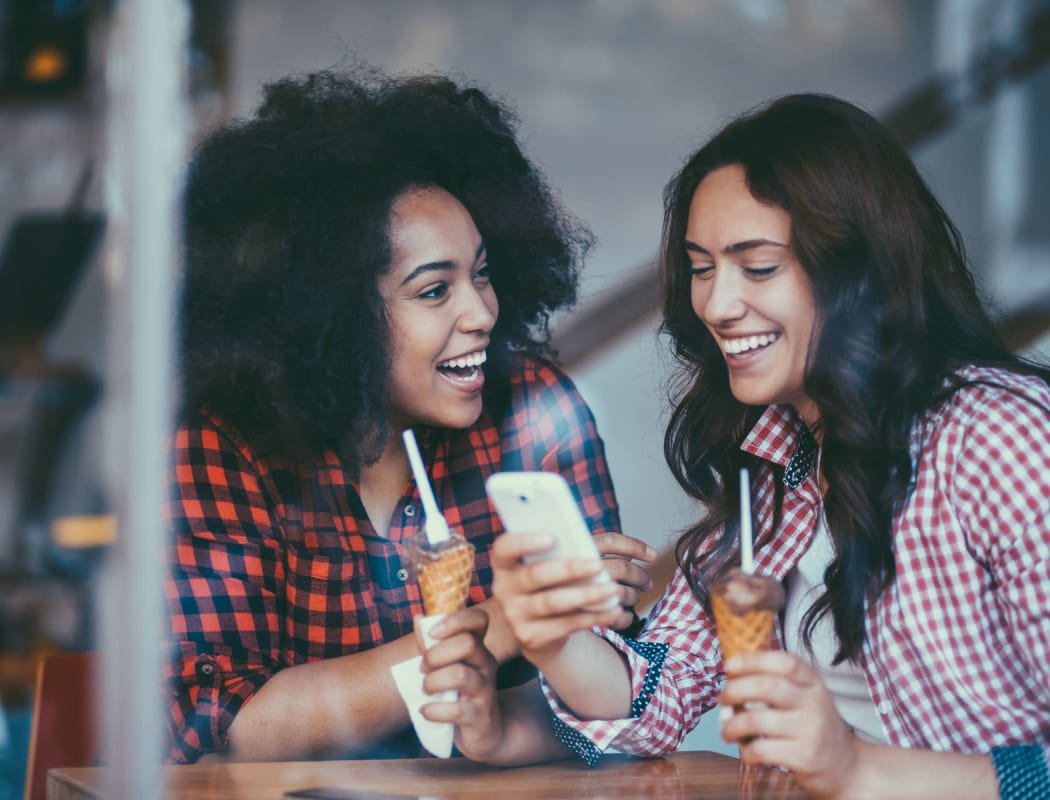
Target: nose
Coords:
[(719, 299), (479, 312)]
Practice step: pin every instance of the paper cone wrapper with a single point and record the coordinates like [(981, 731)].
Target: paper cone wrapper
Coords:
[(741, 633), (436, 737), (445, 582)]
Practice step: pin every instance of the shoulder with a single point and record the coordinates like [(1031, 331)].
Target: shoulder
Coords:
[(532, 376), (992, 404), (541, 389), (206, 433), (989, 441)]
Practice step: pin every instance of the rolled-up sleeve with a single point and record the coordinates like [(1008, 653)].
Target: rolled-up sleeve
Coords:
[(224, 565), (676, 674)]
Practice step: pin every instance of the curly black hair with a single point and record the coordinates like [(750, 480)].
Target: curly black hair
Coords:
[(283, 329), (898, 314)]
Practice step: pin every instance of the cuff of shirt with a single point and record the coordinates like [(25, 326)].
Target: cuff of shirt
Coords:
[(207, 693), (589, 739), (1022, 772)]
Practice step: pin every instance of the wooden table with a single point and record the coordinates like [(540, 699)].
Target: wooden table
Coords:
[(681, 776)]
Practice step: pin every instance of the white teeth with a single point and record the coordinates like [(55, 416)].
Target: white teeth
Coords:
[(464, 362), (745, 343)]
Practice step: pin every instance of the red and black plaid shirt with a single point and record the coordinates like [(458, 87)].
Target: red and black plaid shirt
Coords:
[(274, 565), (957, 656)]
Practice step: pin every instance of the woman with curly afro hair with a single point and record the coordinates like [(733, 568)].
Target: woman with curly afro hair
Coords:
[(364, 255)]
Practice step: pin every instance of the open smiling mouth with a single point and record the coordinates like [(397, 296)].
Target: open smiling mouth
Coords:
[(464, 369), (744, 346)]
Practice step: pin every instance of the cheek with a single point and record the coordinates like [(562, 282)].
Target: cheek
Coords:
[(492, 302), (698, 298)]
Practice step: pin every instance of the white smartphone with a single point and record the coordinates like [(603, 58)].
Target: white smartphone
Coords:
[(543, 502)]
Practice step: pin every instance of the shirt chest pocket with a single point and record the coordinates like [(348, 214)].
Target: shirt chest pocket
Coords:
[(328, 611)]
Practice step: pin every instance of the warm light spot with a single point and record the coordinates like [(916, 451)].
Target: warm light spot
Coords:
[(46, 64)]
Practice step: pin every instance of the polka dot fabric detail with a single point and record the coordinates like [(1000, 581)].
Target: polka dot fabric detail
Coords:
[(802, 461), (654, 653), (1022, 772)]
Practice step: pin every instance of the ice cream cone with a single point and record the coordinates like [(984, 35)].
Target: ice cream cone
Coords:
[(743, 606), (746, 633), (445, 582)]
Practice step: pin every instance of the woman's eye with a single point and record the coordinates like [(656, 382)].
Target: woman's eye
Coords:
[(434, 292), (701, 271), (483, 275), (760, 272)]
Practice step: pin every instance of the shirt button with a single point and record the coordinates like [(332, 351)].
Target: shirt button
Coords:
[(410, 511), (402, 574), (206, 670)]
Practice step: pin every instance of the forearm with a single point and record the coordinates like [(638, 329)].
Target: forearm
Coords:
[(590, 676), (890, 772), (328, 708)]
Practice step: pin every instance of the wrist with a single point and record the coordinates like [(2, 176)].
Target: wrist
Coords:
[(500, 640), (867, 776)]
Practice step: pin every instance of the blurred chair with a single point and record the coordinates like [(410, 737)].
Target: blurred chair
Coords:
[(64, 731)]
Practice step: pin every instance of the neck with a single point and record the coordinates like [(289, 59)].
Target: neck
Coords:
[(383, 482)]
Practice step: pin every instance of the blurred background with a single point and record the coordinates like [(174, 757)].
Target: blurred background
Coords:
[(612, 95)]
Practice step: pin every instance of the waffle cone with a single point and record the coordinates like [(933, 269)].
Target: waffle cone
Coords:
[(445, 582), (741, 633)]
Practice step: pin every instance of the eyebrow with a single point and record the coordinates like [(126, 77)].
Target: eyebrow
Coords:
[(738, 247), (440, 266)]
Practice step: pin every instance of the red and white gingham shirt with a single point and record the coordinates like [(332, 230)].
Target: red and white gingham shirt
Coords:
[(958, 648)]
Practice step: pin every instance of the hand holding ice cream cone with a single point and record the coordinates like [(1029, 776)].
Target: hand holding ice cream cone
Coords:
[(443, 564), (743, 604)]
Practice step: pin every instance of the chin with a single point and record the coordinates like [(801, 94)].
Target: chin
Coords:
[(458, 420), (753, 395)]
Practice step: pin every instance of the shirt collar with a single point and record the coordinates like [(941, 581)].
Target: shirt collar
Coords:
[(781, 437)]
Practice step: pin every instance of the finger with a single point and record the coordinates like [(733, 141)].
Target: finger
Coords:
[(511, 547), (760, 750), (548, 574), (459, 677), (618, 544), (537, 636), (471, 620), (758, 719), (763, 687), (628, 574), (773, 662), (570, 599), (465, 647), (442, 711)]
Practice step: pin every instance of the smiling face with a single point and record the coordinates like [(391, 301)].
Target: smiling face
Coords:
[(750, 291), (441, 308)]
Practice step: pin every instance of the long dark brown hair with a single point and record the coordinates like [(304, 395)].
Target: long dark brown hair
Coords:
[(898, 315)]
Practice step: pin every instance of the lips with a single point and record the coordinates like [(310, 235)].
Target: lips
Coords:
[(464, 372)]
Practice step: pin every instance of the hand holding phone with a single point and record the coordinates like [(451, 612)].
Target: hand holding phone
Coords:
[(542, 502)]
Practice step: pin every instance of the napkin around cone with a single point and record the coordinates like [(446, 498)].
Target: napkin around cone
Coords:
[(436, 737)]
